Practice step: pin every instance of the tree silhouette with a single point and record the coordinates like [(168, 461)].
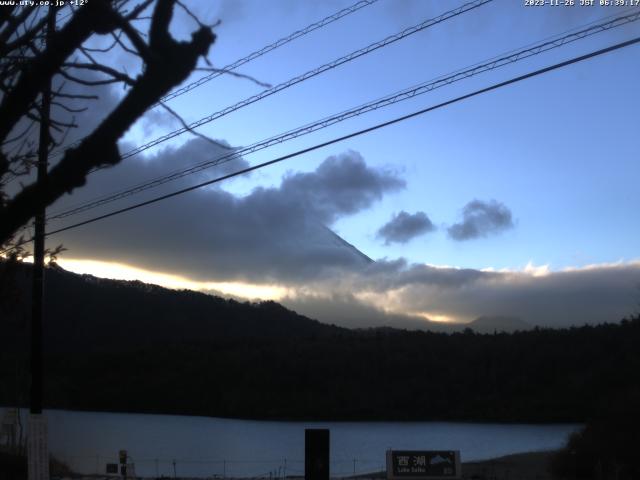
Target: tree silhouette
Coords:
[(607, 446), (28, 63)]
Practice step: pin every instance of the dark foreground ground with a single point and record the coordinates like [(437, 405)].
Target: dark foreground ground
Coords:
[(522, 466), (529, 466)]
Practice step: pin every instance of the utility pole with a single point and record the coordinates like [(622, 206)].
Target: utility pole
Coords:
[(38, 448)]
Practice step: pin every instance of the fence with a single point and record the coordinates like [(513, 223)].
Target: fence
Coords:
[(274, 469)]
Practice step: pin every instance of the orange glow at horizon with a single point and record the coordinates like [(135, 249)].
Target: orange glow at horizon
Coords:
[(434, 317), (122, 271)]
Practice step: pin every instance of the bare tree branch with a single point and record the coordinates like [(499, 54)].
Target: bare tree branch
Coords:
[(167, 63), (190, 129), (134, 37), (66, 108), (106, 49), (117, 76), (235, 74), (89, 83), (75, 96), (88, 20)]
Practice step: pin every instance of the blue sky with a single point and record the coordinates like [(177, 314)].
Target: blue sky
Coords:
[(559, 151)]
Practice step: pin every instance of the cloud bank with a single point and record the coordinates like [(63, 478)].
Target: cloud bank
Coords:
[(278, 236), (589, 295), (275, 234)]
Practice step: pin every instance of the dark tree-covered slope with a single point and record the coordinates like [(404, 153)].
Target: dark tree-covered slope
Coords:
[(85, 313), (127, 346)]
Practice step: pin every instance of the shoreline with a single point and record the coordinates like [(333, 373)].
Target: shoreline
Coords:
[(517, 465), (462, 421)]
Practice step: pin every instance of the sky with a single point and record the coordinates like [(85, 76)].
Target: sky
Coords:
[(520, 202)]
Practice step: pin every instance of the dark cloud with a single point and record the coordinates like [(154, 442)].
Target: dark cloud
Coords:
[(141, 169), (277, 235), (405, 226), (341, 185), (480, 219), (273, 234)]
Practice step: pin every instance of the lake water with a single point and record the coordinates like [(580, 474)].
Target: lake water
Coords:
[(203, 446)]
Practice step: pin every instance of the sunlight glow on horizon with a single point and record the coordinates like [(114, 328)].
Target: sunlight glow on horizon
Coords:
[(122, 271), (435, 317)]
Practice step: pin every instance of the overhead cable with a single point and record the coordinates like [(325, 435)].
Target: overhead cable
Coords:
[(310, 74), (354, 134), (278, 43), (493, 63), (252, 56)]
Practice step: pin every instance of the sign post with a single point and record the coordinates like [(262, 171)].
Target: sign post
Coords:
[(423, 465), (122, 456), (37, 448), (316, 454)]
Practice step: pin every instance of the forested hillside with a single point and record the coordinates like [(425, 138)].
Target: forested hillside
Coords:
[(126, 346)]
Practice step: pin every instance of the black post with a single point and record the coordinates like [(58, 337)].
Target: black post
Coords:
[(316, 454), (122, 455), (38, 447), (38, 244)]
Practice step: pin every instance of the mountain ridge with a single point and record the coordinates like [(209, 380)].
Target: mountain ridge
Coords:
[(132, 347)]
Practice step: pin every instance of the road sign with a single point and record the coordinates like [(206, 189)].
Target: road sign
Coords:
[(423, 464)]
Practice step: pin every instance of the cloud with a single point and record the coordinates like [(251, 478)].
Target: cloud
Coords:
[(480, 219), (396, 293), (275, 234), (594, 294), (341, 185), (404, 227), (156, 119), (344, 309)]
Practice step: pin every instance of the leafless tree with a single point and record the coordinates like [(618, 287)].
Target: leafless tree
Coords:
[(69, 55)]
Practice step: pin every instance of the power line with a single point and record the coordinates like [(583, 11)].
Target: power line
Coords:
[(491, 64), (307, 75), (252, 56), (278, 43), (357, 133)]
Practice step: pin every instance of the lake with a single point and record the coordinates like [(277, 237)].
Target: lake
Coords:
[(202, 446)]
